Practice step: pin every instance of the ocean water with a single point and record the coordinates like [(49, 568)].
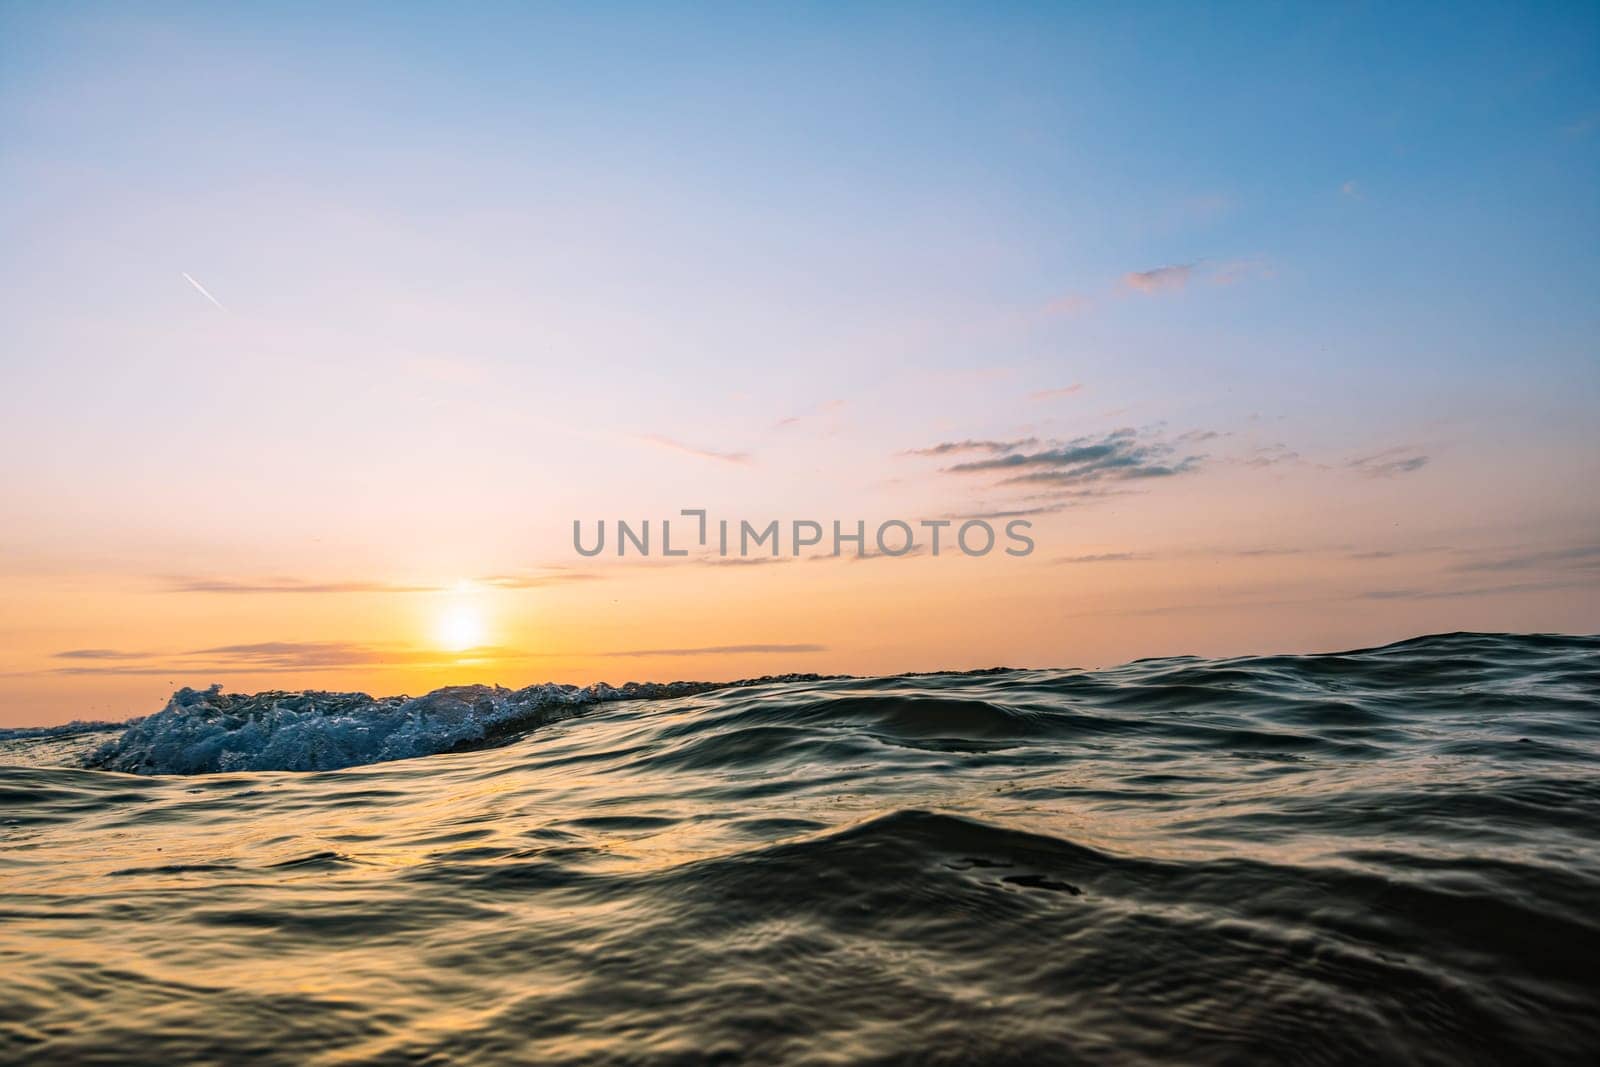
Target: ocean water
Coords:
[(1390, 855)]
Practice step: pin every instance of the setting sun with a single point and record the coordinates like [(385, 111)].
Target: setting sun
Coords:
[(459, 628)]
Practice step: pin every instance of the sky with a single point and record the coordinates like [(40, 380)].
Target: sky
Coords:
[(323, 326)]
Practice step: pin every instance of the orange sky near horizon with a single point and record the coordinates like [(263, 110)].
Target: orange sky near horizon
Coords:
[(109, 645)]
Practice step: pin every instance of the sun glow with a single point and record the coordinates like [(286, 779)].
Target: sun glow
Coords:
[(459, 628)]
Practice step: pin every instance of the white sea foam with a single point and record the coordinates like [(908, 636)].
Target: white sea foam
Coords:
[(207, 731)]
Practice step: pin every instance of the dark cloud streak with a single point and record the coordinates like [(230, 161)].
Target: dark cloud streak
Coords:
[(1122, 455)]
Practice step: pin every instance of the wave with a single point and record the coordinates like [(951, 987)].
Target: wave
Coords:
[(1266, 707), (209, 731)]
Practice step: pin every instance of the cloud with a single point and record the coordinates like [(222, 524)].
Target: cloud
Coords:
[(288, 585), (743, 561), (1177, 276), (867, 557), (718, 650), (1013, 513), (1050, 394), (182, 584), (300, 655), (1389, 463), (1158, 279), (1259, 552), (1272, 455), (1167, 278), (1351, 190), (535, 581), (1065, 498), (270, 657), (740, 458), (1122, 455), (1576, 557), (289, 657), (950, 447), (1489, 590)]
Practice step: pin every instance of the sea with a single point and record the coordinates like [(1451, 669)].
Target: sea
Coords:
[(1389, 855)]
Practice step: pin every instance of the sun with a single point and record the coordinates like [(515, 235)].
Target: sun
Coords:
[(459, 628)]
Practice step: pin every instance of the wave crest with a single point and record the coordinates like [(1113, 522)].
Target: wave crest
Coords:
[(209, 731)]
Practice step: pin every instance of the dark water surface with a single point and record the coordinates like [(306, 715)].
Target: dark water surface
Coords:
[(1390, 855)]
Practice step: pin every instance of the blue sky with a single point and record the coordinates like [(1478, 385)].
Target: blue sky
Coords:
[(736, 174)]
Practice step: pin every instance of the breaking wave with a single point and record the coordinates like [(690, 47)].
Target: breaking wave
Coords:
[(208, 731)]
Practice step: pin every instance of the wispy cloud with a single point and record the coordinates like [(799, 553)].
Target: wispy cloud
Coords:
[(1167, 278), (1174, 277), (1062, 498), (535, 581), (1269, 551), (1010, 513), (202, 290), (1273, 455), (255, 585), (1051, 394), (178, 584), (1581, 557), (268, 657), (1488, 590), (742, 458), (1122, 455), (1390, 462), (299, 655), (718, 650), (1158, 279), (289, 657), (867, 557), (952, 447), (1107, 557)]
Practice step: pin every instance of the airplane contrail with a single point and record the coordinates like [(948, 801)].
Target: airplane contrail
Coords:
[(202, 290)]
